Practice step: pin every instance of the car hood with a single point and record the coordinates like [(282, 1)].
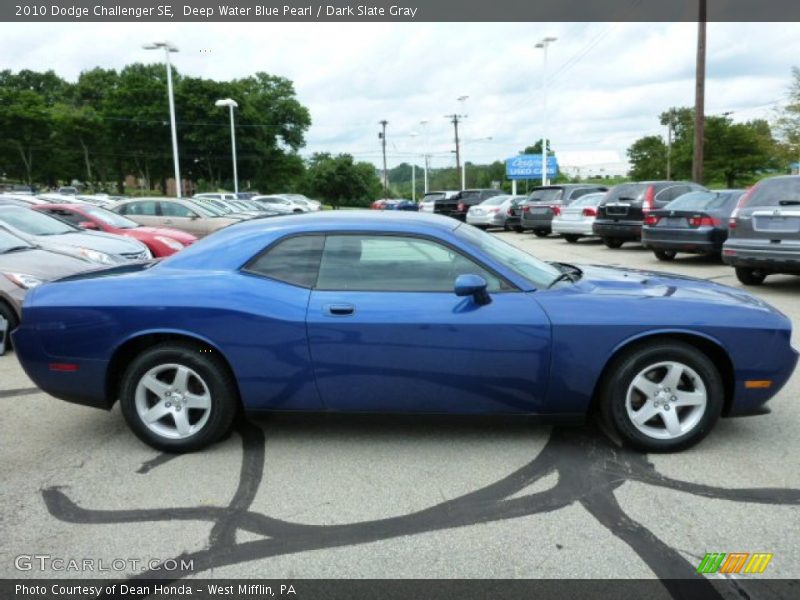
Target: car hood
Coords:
[(43, 264), (653, 284), (94, 240)]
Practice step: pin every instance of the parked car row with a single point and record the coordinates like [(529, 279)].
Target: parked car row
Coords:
[(756, 231)]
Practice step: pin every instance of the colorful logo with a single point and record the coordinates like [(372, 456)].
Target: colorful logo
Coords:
[(734, 562)]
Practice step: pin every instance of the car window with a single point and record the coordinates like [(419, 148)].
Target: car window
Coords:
[(626, 192), (589, 200), (546, 195), (431, 197), (110, 218), (145, 209), (581, 192), (772, 192), (387, 263), (67, 215), (8, 241), (494, 201), (34, 222), (294, 260), (669, 194), (703, 200), (173, 209)]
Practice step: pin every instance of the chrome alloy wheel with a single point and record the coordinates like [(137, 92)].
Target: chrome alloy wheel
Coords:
[(173, 401), (666, 400)]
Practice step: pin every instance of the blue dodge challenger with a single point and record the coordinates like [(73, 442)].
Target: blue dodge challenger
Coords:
[(391, 311)]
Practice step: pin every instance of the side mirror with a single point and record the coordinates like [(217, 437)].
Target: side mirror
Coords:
[(193, 217), (87, 225), (473, 285)]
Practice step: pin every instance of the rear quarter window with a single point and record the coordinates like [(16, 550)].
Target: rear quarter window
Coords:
[(294, 260)]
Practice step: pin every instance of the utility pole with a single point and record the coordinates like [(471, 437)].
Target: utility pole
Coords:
[(424, 124), (699, 94), (543, 44), (382, 135), (455, 120)]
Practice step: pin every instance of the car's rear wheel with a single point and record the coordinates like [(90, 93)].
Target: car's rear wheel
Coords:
[(571, 238), (541, 232), (662, 397), (7, 313), (613, 242), (665, 255), (750, 276), (518, 229), (178, 397)]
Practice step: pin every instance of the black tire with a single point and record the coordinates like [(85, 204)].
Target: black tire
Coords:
[(506, 227), (297, 211), (541, 233), (620, 375), (212, 371), (518, 229), (572, 238), (613, 243), (665, 255), (749, 276), (7, 313)]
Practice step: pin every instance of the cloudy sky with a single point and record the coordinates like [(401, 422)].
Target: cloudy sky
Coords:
[(609, 81)]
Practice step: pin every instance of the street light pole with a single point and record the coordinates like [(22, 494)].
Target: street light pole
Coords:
[(424, 125), (231, 104), (382, 135), (543, 45), (461, 100), (169, 47), (414, 170)]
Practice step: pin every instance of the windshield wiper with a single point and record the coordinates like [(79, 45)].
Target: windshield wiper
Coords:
[(16, 249), (789, 202), (569, 273)]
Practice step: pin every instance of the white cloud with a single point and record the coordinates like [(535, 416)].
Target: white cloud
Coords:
[(618, 76)]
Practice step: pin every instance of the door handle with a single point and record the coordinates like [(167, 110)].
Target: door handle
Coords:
[(339, 310)]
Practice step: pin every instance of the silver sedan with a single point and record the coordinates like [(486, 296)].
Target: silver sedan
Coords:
[(492, 212), (575, 220)]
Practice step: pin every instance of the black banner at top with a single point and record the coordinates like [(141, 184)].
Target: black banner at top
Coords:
[(396, 10)]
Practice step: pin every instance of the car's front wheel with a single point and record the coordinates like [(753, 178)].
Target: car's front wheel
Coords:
[(7, 313), (662, 397), (750, 276), (665, 255), (178, 397)]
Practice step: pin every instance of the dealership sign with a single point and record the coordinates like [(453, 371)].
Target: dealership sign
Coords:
[(529, 166)]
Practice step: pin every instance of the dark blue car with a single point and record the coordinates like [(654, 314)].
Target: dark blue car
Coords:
[(391, 311)]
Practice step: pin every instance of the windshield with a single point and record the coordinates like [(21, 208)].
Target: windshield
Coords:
[(110, 218), (495, 200), (626, 191), (588, 200), (9, 242), (215, 207), (433, 197), (538, 272), (702, 200), (33, 222), (773, 192), (546, 195)]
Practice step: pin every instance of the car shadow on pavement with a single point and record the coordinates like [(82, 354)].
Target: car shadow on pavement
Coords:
[(589, 468)]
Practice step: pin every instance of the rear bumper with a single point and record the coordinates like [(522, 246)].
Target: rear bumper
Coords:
[(772, 257), (684, 240), (627, 230), (492, 220), (572, 227), (543, 222)]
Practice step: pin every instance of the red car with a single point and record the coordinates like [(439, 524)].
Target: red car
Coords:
[(162, 241)]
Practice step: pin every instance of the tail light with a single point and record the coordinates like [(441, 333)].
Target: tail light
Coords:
[(461, 207), (705, 221), (739, 206), (510, 212), (526, 209), (589, 211), (556, 210), (651, 220), (494, 210), (649, 200)]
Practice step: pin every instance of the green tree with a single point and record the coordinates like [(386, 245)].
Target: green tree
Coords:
[(787, 125), (648, 158), (340, 181)]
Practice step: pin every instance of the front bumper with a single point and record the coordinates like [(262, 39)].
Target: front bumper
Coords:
[(626, 230)]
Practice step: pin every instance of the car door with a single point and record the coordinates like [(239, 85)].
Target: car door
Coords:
[(144, 212), (387, 332), (175, 214)]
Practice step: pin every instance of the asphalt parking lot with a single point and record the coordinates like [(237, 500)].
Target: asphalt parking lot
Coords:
[(409, 498)]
